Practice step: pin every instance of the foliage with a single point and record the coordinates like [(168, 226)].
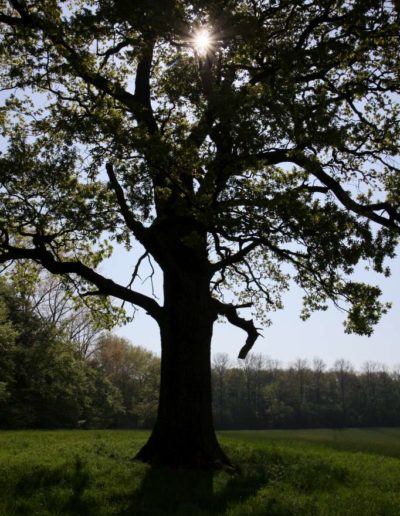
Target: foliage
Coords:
[(135, 372), (271, 155), (282, 473), (7, 351), (45, 382)]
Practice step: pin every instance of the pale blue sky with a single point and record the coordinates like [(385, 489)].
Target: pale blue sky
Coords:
[(289, 337)]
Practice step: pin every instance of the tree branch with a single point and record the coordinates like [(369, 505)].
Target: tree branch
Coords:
[(230, 312), (314, 167), (106, 286), (142, 87), (367, 210), (11, 20), (134, 103), (200, 131), (134, 225), (236, 257), (114, 50), (313, 24), (263, 202)]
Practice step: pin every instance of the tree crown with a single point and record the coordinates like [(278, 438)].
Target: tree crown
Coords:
[(269, 154)]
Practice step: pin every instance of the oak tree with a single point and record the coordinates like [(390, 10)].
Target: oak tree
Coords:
[(240, 143)]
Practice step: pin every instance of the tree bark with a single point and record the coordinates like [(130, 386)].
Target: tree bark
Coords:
[(183, 435)]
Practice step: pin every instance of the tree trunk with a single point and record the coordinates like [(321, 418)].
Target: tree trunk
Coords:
[(183, 435)]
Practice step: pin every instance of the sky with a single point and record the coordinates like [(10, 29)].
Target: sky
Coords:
[(288, 338)]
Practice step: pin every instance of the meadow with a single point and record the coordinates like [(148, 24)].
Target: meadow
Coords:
[(288, 472)]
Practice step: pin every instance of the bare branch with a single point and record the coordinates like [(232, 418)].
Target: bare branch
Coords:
[(135, 273), (230, 312)]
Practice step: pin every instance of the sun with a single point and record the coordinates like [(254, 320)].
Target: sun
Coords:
[(202, 41)]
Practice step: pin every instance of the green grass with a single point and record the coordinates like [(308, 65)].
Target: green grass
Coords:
[(382, 441), (299, 472)]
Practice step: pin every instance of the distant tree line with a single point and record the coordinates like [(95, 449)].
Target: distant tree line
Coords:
[(258, 393), (58, 369)]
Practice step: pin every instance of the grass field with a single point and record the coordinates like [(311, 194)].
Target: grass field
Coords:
[(299, 472)]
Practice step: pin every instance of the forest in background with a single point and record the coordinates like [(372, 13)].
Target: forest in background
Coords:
[(58, 369), (262, 394)]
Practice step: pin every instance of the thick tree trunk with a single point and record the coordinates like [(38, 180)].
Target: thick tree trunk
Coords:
[(184, 434)]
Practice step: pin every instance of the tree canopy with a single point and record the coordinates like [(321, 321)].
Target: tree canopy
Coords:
[(267, 152)]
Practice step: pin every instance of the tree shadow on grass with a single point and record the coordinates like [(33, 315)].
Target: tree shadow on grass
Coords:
[(180, 492), (177, 492), (44, 479), (162, 492), (80, 480)]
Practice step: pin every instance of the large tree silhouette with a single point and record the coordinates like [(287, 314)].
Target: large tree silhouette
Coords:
[(240, 143)]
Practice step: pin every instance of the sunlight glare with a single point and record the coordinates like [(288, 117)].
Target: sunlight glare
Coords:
[(202, 41)]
